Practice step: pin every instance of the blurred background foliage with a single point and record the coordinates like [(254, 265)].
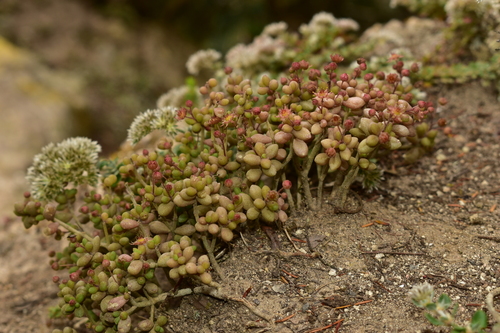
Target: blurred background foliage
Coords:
[(220, 24), (127, 53)]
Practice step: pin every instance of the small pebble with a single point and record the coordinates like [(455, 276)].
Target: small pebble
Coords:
[(475, 219), (440, 157), (279, 288)]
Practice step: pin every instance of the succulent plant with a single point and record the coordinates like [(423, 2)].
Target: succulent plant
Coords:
[(242, 151)]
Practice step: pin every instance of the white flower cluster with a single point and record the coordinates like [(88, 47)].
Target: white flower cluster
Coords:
[(422, 294), (275, 29), (150, 120), (203, 59), (72, 161), (264, 48), (323, 22)]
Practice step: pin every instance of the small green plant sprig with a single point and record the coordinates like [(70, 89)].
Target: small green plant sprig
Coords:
[(158, 216), (441, 312)]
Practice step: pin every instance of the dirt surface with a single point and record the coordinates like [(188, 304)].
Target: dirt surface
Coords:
[(434, 221)]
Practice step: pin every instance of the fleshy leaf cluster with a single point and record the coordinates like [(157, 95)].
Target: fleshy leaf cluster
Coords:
[(251, 150)]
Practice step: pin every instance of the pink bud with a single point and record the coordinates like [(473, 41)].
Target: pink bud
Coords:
[(336, 58), (153, 165), (383, 137), (348, 124)]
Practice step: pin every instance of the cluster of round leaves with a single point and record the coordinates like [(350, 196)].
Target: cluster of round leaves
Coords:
[(164, 210), (341, 121), (106, 278), (152, 215)]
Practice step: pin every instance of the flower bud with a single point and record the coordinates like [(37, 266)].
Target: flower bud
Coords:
[(383, 137)]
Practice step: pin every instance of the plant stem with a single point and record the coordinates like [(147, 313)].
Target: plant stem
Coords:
[(73, 230), (106, 234), (210, 252), (342, 190), (322, 172), (303, 168)]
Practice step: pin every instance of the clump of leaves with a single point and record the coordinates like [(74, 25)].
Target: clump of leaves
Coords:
[(245, 151)]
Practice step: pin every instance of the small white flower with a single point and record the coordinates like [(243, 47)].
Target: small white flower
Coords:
[(274, 29), (422, 294), (203, 59), (347, 24), (323, 19), (241, 56), (150, 120)]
